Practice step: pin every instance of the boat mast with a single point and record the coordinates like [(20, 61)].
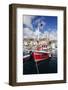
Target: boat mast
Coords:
[(38, 37)]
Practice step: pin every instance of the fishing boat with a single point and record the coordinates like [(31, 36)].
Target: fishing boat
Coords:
[(41, 54)]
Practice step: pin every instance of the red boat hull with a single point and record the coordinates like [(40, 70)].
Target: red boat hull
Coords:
[(38, 56)]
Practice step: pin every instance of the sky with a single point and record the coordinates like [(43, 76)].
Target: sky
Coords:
[(46, 24)]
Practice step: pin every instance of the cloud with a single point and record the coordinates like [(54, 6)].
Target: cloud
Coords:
[(53, 35), (27, 20), (28, 33)]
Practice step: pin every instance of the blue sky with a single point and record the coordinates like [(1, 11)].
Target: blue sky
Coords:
[(45, 23)]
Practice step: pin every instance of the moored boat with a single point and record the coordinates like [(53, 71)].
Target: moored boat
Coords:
[(41, 54)]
